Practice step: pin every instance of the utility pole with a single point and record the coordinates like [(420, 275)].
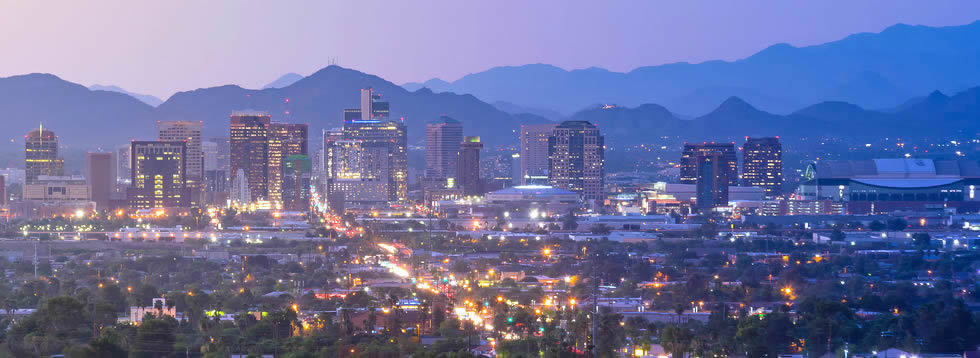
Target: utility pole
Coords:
[(35, 259)]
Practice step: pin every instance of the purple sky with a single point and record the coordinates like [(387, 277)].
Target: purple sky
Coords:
[(159, 47)]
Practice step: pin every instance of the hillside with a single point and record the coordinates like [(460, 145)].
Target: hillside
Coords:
[(320, 99), (872, 70), (79, 116)]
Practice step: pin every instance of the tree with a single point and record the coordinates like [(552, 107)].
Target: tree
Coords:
[(108, 345), (676, 340), (707, 230), (876, 226), (601, 229), (155, 338), (569, 221), (611, 335), (837, 234), (897, 224), (921, 239)]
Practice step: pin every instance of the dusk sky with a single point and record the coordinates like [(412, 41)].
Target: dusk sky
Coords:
[(159, 47)]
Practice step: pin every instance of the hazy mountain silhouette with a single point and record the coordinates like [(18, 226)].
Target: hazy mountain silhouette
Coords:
[(934, 115), (632, 125), (284, 80), (842, 113), (435, 84), (696, 102), (515, 109), (320, 99), (79, 116), (873, 70), (145, 98), (85, 118)]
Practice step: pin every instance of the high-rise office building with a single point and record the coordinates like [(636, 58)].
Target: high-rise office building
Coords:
[(124, 164), (712, 170), (41, 155), (576, 157), (296, 183), (285, 139), (762, 164), (358, 172), (100, 175), (442, 139), (689, 160), (210, 151), (159, 179), (223, 156), (215, 181), (241, 193), (190, 133), (379, 130), (249, 151), (534, 152), (371, 104), (468, 168)]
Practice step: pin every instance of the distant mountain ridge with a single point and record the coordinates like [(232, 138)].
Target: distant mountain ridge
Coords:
[(85, 118), (872, 70), (145, 98), (319, 99), (78, 116), (284, 80), (936, 115)]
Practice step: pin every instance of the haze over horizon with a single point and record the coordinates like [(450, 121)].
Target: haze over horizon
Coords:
[(90, 43)]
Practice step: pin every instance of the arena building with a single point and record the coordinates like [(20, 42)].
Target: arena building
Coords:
[(885, 185)]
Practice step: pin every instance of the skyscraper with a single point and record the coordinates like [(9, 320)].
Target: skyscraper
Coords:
[(689, 161), (100, 175), (296, 183), (442, 139), (534, 151), (712, 179), (223, 157), (285, 139), (379, 130), (371, 103), (241, 193), (41, 155), (358, 172), (249, 151), (159, 179), (190, 133), (468, 168), (576, 156), (185, 131), (210, 151), (124, 164), (762, 164)]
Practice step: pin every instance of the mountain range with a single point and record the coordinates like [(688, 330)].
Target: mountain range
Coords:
[(145, 98), (935, 115), (104, 119), (284, 80), (78, 115), (107, 116), (872, 70)]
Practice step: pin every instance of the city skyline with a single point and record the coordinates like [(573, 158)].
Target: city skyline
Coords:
[(812, 199)]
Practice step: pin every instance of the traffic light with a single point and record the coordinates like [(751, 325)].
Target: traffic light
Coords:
[(510, 319)]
